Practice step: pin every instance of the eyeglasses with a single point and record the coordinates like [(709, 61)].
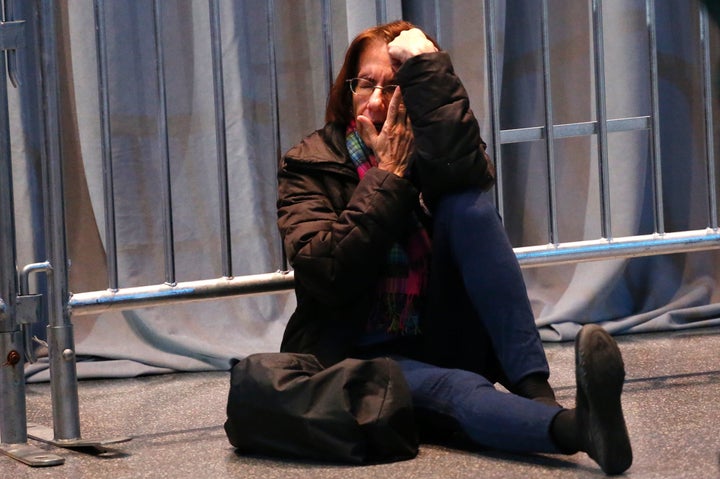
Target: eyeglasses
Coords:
[(365, 87)]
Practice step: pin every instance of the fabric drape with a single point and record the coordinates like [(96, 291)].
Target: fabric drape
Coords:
[(678, 291)]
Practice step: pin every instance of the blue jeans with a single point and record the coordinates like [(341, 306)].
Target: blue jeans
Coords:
[(466, 401), (478, 316), (478, 329)]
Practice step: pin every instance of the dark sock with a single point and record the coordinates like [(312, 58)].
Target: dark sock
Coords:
[(563, 431), (536, 386)]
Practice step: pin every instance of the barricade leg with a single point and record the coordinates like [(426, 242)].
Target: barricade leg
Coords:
[(61, 348), (13, 416)]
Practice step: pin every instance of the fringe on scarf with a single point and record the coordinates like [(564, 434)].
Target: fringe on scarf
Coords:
[(404, 278)]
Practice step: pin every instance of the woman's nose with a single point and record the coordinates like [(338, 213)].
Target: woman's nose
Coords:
[(377, 99)]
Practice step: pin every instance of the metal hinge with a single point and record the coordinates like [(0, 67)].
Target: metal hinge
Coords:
[(29, 307)]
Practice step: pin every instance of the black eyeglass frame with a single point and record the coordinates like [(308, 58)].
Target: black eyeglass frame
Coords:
[(387, 90)]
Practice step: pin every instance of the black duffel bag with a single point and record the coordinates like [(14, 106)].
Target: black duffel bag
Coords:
[(288, 405)]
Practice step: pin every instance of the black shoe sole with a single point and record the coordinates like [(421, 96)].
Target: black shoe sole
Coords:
[(600, 374)]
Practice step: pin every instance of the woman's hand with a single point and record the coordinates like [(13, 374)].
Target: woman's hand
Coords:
[(394, 143), (408, 44)]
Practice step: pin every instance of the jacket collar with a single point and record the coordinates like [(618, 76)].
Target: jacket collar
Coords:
[(324, 146)]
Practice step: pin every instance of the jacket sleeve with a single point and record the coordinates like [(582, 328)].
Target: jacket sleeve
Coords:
[(335, 249), (450, 154)]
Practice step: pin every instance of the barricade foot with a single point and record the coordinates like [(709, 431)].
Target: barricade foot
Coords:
[(31, 455), (46, 434)]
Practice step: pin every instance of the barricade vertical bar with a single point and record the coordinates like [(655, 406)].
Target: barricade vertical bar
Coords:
[(61, 347), (220, 138), (494, 99), (438, 30), (13, 413), (164, 147), (655, 157), (274, 99), (708, 102), (12, 66), (549, 128), (327, 43), (106, 145), (381, 11), (13, 425), (601, 118)]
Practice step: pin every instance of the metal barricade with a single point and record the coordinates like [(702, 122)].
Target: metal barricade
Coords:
[(606, 247), (14, 313), (66, 427)]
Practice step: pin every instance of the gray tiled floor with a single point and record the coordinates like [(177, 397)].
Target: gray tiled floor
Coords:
[(672, 404)]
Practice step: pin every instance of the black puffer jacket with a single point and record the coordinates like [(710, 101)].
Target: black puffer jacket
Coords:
[(337, 229)]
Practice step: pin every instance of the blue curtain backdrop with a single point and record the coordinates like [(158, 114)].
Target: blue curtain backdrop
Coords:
[(656, 293)]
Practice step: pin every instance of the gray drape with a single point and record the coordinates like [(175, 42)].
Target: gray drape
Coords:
[(635, 295)]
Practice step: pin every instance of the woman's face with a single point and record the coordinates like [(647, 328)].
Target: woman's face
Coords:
[(374, 65)]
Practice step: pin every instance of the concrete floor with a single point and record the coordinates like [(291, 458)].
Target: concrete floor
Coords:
[(671, 401)]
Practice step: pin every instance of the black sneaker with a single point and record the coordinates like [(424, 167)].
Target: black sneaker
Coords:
[(600, 373)]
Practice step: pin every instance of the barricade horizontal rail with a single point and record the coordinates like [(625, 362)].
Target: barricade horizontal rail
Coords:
[(281, 281), (188, 291)]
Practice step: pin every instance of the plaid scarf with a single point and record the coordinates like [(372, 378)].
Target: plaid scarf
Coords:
[(404, 276)]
